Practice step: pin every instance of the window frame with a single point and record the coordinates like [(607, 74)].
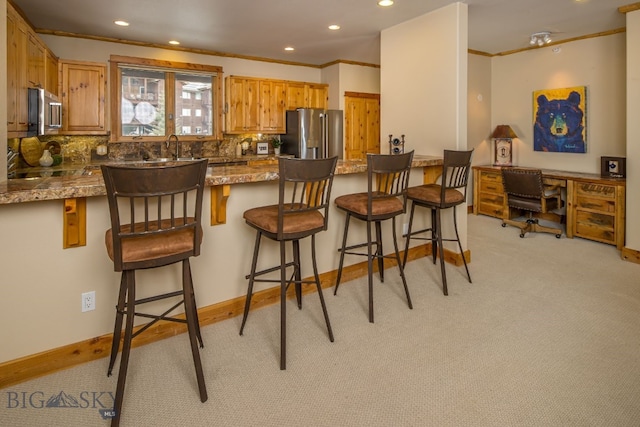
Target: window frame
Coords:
[(171, 67)]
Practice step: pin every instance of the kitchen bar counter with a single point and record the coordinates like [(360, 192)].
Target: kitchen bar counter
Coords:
[(86, 180)]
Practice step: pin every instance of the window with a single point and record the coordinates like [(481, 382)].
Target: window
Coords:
[(158, 98)]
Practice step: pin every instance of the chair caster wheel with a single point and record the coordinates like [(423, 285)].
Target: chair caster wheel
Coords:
[(558, 236), (521, 235), (504, 225)]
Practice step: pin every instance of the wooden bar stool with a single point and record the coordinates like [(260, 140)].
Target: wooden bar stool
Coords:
[(386, 198), (450, 193), (304, 191), (155, 221)]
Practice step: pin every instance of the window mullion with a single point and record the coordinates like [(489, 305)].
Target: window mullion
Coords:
[(170, 102)]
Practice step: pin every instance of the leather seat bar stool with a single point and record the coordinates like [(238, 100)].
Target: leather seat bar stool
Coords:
[(386, 198), (451, 192), (304, 191), (525, 190), (155, 222)]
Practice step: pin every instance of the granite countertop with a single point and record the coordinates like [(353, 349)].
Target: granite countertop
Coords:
[(86, 180)]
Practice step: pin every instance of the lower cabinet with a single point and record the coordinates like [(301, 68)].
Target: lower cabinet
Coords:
[(595, 206)]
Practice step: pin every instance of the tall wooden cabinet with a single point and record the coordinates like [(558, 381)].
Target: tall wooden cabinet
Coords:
[(83, 94), (362, 125), (29, 64), (243, 104), (273, 95)]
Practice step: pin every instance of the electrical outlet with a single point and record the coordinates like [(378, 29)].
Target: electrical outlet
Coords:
[(88, 301)]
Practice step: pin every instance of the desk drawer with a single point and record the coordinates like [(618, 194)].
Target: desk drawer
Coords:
[(491, 186), (595, 226), (491, 204), (596, 204), (586, 189)]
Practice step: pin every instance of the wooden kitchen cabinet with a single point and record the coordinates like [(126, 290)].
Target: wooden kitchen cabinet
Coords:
[(307, 95), (362, 125), (243, 104), (17, 35), (36, 58), (83, 91), (51, 73), (272, 106), (29, 64), (317, 95)]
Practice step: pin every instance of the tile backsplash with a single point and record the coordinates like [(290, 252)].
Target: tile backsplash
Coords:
[(82, 149)]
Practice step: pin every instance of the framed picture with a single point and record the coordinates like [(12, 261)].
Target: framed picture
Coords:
[(560, 120), (613, 167)]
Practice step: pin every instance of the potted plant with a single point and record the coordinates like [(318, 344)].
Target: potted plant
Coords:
[(276, 143)]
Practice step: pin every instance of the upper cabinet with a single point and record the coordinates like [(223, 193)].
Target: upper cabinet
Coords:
[(83, 92), (260, 105), (29, 64), (307, 95), (243, 104)]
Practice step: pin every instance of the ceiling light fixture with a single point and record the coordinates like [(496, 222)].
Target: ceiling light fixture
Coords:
[(540, 39), (174, 42), (121, 23), (334, 27), (385, 3), (289, 48)]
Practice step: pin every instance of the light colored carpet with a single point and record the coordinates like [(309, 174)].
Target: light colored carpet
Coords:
[(548, 334)]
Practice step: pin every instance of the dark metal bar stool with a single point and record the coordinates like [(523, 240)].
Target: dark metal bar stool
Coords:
[(386, 198), (450, 193), (155, 221), (302, 211)]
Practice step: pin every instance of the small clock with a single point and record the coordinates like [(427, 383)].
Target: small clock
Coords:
[(502, 155)]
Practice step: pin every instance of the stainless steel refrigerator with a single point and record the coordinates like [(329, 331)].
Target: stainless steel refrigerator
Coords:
[(313, 133)]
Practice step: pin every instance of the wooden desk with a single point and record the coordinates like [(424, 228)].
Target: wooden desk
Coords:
[(595, 205)]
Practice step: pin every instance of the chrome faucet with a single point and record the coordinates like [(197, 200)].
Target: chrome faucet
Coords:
[(168, 141)]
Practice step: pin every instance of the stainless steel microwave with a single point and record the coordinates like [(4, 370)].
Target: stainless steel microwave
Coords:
[(45, 113)]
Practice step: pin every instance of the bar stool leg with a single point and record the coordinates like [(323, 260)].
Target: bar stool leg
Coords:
[(408, 238), (344, 245), (438, 231), (379, 251), (117, 329), (192, 328), (283, 306), (319, 286), (434, 236), (126, 346), (400, 267), (370, 271), (254, 262), (455, 226), (297, 273)]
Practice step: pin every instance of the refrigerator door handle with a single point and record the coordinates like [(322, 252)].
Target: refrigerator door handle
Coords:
[(325, 135)]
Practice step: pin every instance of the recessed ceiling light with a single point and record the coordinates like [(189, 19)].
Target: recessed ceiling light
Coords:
[(121, 23), (334, 27), (174, 42), (385, 3), (289, 48)]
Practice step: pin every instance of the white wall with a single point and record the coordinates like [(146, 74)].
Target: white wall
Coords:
[(633, 130), (479, 112), (3, 88), (597, 63), (423, 80)]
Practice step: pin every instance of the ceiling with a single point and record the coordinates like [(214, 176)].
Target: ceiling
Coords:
[(258, 28)]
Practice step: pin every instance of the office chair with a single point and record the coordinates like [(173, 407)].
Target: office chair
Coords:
[(525, 190)]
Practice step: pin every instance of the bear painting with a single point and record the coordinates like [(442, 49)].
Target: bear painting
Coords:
[(559, 121)]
